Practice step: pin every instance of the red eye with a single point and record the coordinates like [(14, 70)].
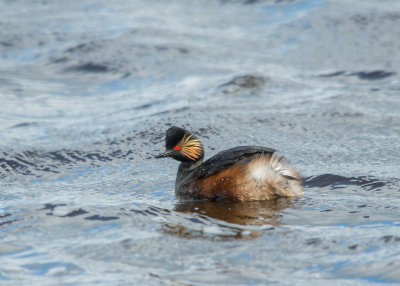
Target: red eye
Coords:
[(176, 147)]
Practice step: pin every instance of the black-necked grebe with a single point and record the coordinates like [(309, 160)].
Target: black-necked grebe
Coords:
[(244, 173)]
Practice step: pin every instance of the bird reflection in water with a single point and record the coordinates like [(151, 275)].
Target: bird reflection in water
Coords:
[(241, 213), (227, 219)]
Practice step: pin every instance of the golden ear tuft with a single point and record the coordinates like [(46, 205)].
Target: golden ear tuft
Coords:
[(191, 147)]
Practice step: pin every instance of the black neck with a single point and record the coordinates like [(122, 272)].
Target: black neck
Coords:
[(185, 172), (188, 166)]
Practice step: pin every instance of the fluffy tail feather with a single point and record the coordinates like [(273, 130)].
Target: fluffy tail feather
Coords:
[(273, 175)]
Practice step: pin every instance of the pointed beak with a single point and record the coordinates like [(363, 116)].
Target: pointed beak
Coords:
[(162, 155)]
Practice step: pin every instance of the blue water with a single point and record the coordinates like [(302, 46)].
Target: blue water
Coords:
[(87, 91)]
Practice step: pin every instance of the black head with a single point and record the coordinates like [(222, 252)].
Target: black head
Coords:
[(182, 145)]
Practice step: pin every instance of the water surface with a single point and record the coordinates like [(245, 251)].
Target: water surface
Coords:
[(89, 89)]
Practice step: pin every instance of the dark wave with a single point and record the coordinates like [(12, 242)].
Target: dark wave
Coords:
[(118, 58), (246, 81), (373, 75), (363, 75), (36, 163), (89, 67), (338, 182)]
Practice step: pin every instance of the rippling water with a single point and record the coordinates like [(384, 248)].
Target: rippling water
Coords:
[(88, 89)]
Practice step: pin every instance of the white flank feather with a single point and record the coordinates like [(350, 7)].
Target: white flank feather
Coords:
[(275, 173)]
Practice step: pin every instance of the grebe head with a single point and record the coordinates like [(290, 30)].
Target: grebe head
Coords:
[(182, 145)]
